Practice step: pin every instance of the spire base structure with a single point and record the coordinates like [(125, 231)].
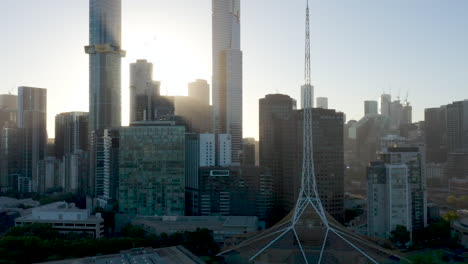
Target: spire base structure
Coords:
[(308, 235)]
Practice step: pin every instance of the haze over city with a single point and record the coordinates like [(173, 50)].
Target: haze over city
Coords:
[(358, 50)]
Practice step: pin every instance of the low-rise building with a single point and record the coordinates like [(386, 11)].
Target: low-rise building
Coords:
[(65, 218), (169, 255), (223, 227)]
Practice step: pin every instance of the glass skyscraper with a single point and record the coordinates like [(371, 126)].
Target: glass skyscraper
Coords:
[(227, 73), (105, 55)]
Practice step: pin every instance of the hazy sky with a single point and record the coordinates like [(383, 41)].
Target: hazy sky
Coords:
[(359, 49)]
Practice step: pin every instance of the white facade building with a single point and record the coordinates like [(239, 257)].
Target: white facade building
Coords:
[(322, 102), (389, 199), (225, 151), (65, 218), (207, 150), (227, 73)]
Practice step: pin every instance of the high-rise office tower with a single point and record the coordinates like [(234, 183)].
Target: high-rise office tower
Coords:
[(436, 134), (371, 107), (227, 73), (152, 168), (457, 127), (385, 101), (200, 90), (71, 133), (32, 116), (105, 55), (406, 114), (8, 109), (307, 90), (322, 102), (277, 143)]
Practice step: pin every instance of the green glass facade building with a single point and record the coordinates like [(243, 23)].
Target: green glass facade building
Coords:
[(152, 169)]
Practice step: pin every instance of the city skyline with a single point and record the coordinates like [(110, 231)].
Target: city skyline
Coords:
[(405, 54)]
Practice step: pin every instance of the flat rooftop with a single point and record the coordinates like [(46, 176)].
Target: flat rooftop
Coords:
[(170, 255)]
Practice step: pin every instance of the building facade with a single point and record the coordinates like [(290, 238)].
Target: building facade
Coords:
[(105, 55), (322, 102), (152, 169), (71, 133), (227, 73), (32, 121), (436, 134), (371, 107), (389, 199)]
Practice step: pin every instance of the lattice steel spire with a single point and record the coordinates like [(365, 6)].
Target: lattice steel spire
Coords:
[(308, 234)]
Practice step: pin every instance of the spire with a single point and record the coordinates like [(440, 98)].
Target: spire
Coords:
[(307, 48)]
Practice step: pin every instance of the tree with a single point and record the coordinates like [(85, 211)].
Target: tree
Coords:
[(400, 236), (42, 231), (450, 216), (133, 231)]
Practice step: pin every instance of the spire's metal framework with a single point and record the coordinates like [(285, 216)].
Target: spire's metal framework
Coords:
[(318, 236)]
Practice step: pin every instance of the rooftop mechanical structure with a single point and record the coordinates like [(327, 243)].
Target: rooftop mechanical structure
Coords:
[(308, 234)]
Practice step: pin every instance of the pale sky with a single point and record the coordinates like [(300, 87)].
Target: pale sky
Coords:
[(359, 49)]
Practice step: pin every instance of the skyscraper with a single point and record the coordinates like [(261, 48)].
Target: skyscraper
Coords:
[(105, 55), (227, 73), (457, 127), (71, 133), (436, 134), (371, 107), (32, 115), (385, 101)]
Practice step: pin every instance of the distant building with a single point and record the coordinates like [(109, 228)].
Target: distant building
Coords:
[(371, 107), (413, 159), (32, 120), (436, 134), (225, 150), (8, 109), (435, 174), (196, 114), (51, 174), (223, 227), (200, 91), (385, 102), (71, 133), (248, 152), (146, 101), (322, 102), (192, 179), (457, 127), (10, 157), (391, 141), (456, 166), (168, 255), (66, 218), (152, 168), (389, 199)]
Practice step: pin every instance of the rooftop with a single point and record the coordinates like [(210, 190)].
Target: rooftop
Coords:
[(170, 255)]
